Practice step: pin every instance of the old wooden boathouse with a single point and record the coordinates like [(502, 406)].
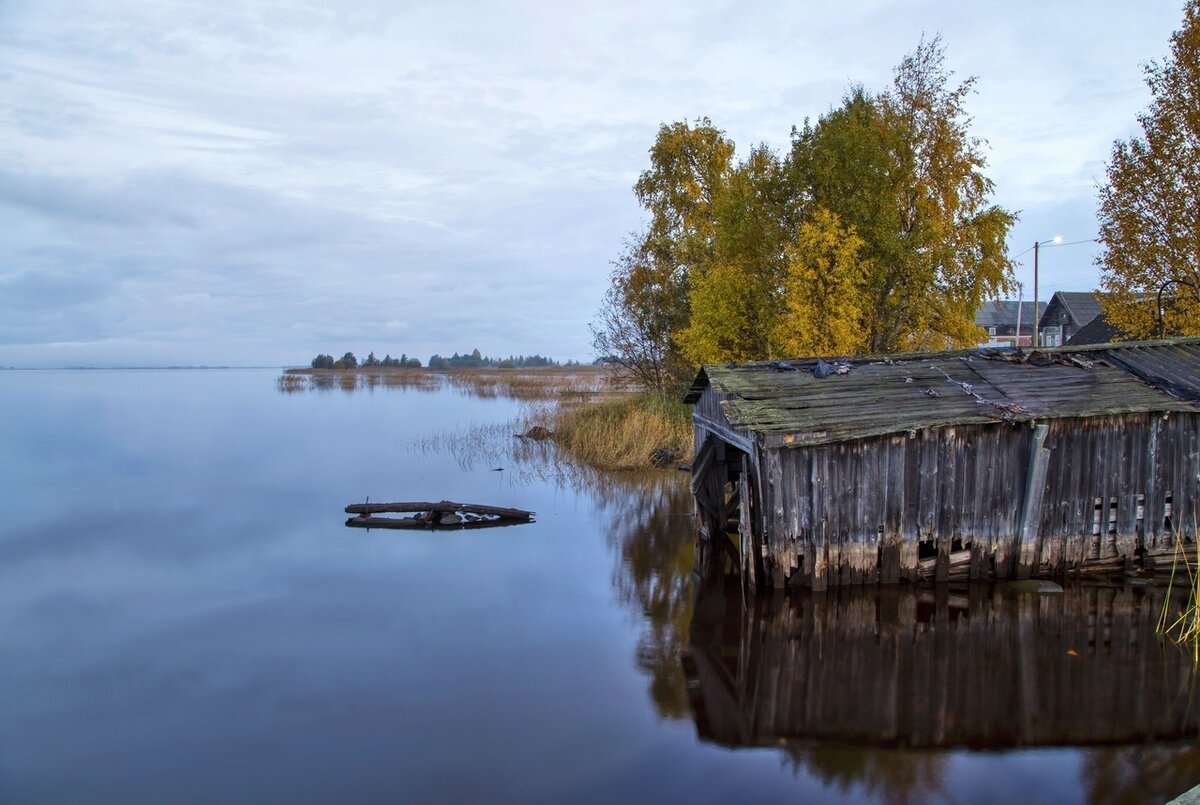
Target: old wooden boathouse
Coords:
[(966, 464)]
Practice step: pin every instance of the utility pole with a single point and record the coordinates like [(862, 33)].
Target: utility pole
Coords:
[(1036, 245)]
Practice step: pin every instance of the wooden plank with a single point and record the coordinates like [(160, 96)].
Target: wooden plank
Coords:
[(408, 523), (703, 462), (444, 506), (739, 441), (1029, 547)]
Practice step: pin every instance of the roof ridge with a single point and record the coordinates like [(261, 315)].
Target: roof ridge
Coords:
[(898, 357)]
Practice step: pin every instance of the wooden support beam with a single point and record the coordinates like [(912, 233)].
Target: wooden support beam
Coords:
[(1028, 550)]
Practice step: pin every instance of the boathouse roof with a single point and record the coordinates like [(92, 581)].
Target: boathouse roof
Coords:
[(820, 400)]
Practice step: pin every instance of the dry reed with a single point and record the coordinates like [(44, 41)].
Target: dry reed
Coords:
[(1183, 626), (618, 433)]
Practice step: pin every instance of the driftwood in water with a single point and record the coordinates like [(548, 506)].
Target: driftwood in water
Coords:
[(444, 514)]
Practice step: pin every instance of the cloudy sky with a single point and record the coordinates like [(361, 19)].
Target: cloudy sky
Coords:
[(250, 183)]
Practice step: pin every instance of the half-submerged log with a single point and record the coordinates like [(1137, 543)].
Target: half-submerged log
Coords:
[(442, 515)]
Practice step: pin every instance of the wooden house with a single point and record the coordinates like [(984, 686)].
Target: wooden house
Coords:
[(964, 464), (1067, 313), (1001, 318)]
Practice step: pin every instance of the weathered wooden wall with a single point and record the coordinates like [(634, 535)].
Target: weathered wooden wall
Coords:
[(922, 667), (948, 502), (944, 503), (726, 455)]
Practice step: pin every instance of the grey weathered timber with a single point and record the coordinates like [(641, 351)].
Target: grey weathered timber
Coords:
[(441, 515), (998, 669), (967, 464)]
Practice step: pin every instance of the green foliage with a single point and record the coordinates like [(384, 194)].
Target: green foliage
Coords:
[(734, 301), (902, 170), (322, 362), (1150, 208), (875, 233)]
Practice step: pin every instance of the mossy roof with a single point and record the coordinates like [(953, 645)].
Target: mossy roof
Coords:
[(790, 403)]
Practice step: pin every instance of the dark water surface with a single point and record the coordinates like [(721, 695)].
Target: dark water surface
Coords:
[(185, 618)]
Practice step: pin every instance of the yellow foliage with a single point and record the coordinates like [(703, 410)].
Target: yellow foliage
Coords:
[(1150, 208), (727, 309), (823, 291)]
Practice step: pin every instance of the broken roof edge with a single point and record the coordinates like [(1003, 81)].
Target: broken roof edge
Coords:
[(703, 378), (814, 438)]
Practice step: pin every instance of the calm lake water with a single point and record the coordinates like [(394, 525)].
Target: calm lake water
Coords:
[(185, 618)]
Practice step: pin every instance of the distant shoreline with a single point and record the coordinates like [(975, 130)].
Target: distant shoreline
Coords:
[(388, 370), (129, 368)]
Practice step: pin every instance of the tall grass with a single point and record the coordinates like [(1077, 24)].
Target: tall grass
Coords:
[(1183, 626), (618, 433)]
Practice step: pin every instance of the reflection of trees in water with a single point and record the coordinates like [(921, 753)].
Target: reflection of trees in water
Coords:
[(494, 384), (650, 526), (1136, 774), (886, 775), (350, 382), (652, 532)]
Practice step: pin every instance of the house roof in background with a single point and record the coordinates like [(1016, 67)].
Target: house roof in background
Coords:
[(1082, 305), (1096, 331), (808, 402), (1003, 312)]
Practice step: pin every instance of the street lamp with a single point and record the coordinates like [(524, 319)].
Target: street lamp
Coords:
[(1057, 239)]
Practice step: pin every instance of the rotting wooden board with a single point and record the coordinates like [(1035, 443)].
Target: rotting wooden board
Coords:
[(411, 523), (442, 506), (445, 514)]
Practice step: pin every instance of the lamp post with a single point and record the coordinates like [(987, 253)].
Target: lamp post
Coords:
[(1057, 239)]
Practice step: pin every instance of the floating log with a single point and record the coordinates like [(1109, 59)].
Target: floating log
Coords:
[(442, 515)]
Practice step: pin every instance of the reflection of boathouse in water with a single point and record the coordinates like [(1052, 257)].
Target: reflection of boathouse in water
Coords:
[(952, 465), (925, 667)]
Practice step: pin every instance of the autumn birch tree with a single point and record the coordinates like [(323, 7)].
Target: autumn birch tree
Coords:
[(875, 233), (1150, 207), (902, 169), (824, 299)]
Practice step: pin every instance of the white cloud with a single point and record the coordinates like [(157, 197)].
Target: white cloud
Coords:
[(187, 182)]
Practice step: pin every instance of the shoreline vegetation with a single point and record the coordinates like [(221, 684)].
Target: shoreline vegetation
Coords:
[(597, 416)]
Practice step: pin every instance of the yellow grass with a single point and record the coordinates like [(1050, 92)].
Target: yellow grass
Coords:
[(620, 433)]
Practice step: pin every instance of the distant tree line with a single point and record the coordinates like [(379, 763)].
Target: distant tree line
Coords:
[(348, 361), (456, 361), (475, 360)]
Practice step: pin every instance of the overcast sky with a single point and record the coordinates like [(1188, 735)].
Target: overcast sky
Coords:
[(254, 183)]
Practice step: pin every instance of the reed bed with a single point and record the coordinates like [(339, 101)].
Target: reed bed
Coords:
[(582, 414), (1183, 624), (618, 433), (528, 384)]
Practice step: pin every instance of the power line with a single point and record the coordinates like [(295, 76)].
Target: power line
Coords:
[(1056, 245), (1072, 243)]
